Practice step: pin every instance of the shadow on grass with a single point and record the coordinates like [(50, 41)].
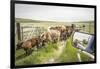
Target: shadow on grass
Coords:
[(24, 55), (21, 56)]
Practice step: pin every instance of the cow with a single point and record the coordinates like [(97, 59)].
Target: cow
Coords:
[(69, 31), (52, 36), (61, 29), (29, 44), (19, 44), (65, 31)]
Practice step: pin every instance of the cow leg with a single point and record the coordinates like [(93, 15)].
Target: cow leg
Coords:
[(37, 46), (43, 43), (61, 37), (58, 39), (26, 51), (29, 51)]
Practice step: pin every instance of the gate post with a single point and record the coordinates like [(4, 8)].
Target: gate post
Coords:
[(18, 31)]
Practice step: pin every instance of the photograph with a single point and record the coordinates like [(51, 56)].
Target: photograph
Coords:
[(50, 34)]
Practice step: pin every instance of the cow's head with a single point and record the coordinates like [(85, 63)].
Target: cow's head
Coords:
[(19, 45), (41, 41)]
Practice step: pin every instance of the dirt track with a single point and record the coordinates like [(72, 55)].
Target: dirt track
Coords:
[(58, 52)]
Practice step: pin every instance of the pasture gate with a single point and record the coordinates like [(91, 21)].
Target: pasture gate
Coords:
[(26, 31)]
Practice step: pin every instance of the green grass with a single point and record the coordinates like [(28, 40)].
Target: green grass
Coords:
[(37, 57), (70, 54), (41, 56), (84, 57)]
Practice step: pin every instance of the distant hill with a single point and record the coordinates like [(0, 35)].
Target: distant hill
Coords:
[(84, 22), (23, 20)]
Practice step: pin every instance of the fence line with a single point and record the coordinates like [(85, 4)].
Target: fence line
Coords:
[(27, 31)]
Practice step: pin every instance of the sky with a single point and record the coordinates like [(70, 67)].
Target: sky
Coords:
[(53, 13)]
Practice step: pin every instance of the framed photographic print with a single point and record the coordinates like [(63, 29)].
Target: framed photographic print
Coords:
[(50, 34)]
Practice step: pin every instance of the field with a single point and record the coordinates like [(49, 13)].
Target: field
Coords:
[(53, 52)]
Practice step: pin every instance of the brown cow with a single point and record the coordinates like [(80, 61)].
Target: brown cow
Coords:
[(61, 29), (52, 36), (29, 44), (65, 31), (69, 31)]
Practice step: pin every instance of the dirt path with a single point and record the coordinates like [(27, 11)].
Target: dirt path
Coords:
[(58, 52)]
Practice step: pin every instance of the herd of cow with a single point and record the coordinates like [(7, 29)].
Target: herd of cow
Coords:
[(53, 34)]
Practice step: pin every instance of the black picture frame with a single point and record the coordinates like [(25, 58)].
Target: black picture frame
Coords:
[(12, 30)]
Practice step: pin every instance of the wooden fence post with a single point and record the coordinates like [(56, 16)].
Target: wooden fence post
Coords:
[(18, 32), (22, 33)]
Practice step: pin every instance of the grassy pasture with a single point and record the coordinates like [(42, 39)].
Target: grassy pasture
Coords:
[(70, 54), (42, 55), (37, 57)]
